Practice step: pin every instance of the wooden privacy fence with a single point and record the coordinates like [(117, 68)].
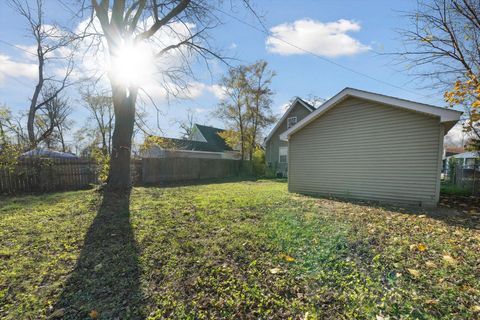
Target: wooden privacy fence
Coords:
[(40, 175), (165, 170), (43, 175)]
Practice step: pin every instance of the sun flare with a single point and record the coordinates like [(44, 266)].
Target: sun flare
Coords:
[(133, 64)]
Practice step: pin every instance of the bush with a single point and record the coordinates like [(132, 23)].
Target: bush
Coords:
[(103, 164), (258, 163), (452, 168), (9, 154)]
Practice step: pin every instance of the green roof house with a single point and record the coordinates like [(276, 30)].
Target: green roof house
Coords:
[(204, 142)]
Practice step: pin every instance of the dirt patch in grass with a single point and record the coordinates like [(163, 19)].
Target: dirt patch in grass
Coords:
[(246, 250)]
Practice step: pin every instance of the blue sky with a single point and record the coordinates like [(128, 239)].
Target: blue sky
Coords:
[(352, 34)]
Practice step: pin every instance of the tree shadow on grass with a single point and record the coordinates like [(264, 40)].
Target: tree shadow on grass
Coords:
[(106, 280)]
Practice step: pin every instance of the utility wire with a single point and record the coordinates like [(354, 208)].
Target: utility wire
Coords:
[(17, 47), (269, 34)]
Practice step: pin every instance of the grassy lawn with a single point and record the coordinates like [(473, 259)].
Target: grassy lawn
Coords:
[(452, 189), (245, 250)]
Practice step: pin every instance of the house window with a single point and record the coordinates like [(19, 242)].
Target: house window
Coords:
[(283, 154), (291, 122)]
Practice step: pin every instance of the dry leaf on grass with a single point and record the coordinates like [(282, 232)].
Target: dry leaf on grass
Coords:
[(414, 273), (449, 259), (431, 301), (59, 313), (421, 247), (275, 270), (93, 314)]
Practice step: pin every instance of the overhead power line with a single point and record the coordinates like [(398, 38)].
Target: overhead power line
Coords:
[(17, 47), (264, 31)]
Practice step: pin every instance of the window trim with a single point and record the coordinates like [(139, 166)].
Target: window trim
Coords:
[(280, 154), (288, 122)]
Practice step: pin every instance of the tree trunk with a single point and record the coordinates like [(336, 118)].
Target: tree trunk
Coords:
[(62, 139), (33, 103), (124, 109)]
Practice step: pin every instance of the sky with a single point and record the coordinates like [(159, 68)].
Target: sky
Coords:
[(316, 48)]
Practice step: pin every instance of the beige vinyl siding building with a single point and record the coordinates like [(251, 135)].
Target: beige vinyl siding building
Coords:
[(362, 146)]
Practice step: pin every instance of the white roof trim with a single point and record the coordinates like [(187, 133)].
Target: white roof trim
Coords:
[(297, 100), (445, 115)]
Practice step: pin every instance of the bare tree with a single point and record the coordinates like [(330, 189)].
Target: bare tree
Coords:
[(126, 24), (52, 119), (186, 126), (100, 108), (442, 46), (315, 100), (51, 44), (12, 127)]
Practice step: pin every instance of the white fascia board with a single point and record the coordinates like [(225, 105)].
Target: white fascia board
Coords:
[(445, 115)]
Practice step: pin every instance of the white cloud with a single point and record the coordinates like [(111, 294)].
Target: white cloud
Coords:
[(9, 68), (326, 39), (284, 107), (456, 137), (164, 91), (200, 110), (217, 90)]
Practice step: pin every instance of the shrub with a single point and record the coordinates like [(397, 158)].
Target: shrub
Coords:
[(258, 163)]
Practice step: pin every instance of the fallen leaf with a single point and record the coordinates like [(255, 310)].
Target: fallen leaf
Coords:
[(288, 258), (93, 314), (431, 301), (430, 264), (275, 270), (59, 313), (475, 308), (449, 259), (414, 273), (421, 247)]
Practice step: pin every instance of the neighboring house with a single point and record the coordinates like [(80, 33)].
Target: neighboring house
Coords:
[(47, 153), (204, 142), (364, 145), (276, 151), (465, 159), (448, 152), (451, 151)]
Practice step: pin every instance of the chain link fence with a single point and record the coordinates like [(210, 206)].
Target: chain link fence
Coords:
[(463, 176)]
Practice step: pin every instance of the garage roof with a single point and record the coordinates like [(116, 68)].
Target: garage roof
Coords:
[(447, 116)]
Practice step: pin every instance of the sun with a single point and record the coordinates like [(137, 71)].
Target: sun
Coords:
[(133, 65)]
